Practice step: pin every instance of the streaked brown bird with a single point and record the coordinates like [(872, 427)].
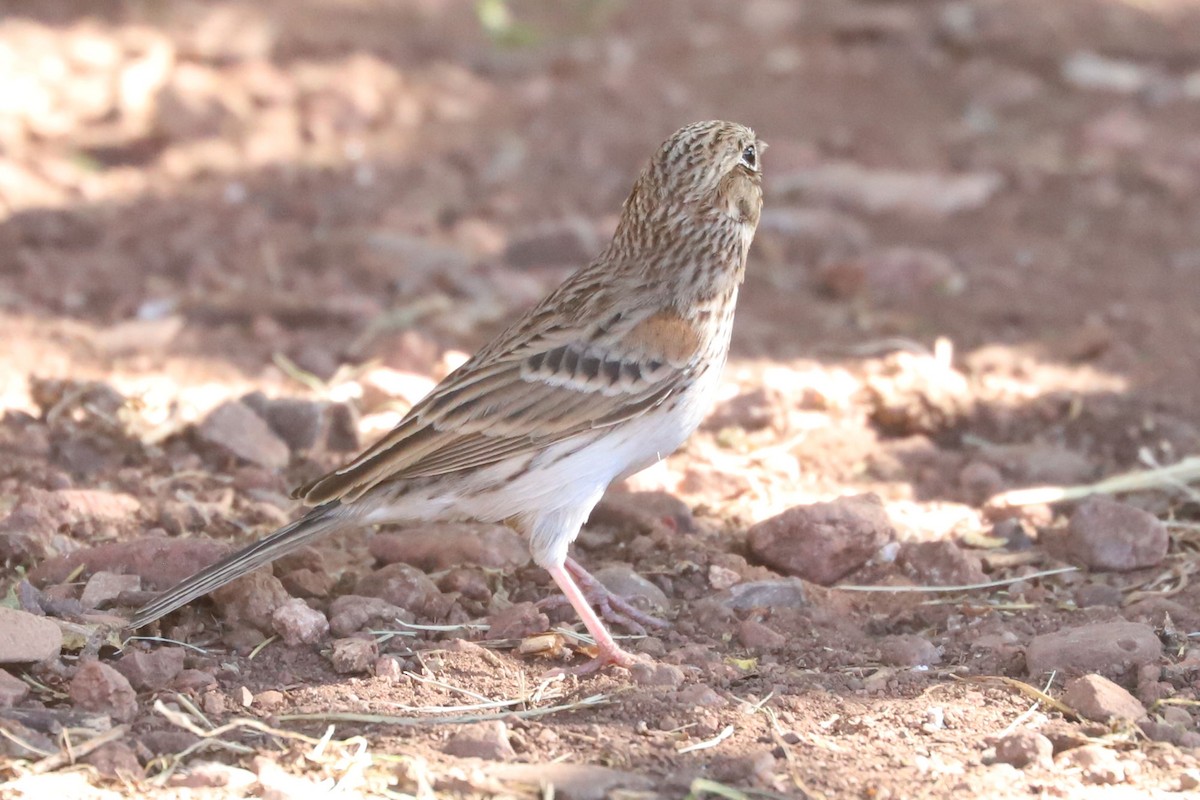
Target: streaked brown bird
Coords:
[(607, 375)]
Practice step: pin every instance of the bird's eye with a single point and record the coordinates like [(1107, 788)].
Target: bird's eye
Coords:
[(750, 157)]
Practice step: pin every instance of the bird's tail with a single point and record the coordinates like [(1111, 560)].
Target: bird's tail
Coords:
[(321, 520)]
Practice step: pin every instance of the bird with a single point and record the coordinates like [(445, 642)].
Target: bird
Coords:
[(608, 374)]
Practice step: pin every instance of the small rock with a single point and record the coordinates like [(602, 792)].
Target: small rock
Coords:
[(351, 613), (1107, 534), (354, 655), (105, 586), (1098, 594), (1115, 649), (214, 775), (251, 600), (823, 542), (404, 586), (940, 563), (488, 741), (236, 429), (269, 700), (622, 581), (193, 680), (12, 689), (1097, 698), (306, 582), (780, 593), (115, 760), (642, 512), (389, 668), (657, 673), (26, 638), (299, 624), (756, 636), (1024, 748), (1098, 764), (159, 561), (700, 695), (1189, 779), (517, 622), (909, 650), (298, 422), (722, 578), (438, 546), (99, 687), (151, 669)]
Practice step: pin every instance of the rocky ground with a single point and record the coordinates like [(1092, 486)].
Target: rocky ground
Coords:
[(240, 239)]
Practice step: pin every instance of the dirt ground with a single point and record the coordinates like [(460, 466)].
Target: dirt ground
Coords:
[(239, 239)]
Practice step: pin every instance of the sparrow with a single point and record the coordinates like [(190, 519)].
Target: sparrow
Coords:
[(607, 375)]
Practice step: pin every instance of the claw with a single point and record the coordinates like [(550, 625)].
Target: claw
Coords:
[(613, 607)]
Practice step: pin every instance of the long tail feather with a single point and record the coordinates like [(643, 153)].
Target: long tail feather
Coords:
[(321, 520)]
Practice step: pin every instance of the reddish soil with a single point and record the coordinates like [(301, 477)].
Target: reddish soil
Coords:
[(203, 200)]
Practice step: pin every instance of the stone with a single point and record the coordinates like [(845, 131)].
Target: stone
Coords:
[(940, 563), (823, 542), (1098, 764), (151, 669), (26, 638), (1106, 534), (1114, 649), (754, 635), (437, 546), (351, 613), (297, 421), (1025, 748), (99, 687), (623, 581), (909, 650), (159, 561), (488, 740), (251, 600), (12, 689), (910, 393), (115, 760), (299, 624), (103, 587), (778, 593), (405, 586), (354, 655), (657, 674), (517, 622), (234, 428), (1097, 698)]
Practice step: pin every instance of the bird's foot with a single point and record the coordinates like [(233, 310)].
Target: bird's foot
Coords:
[(613, 607), (607, 656)]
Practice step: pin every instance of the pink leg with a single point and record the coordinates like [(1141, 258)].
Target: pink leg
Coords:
[(613, 607), (610, 651)]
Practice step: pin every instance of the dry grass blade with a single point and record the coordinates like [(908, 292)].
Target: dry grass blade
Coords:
[(70, 755), (707, 744), (384, 719), (965, 587), (1024, 688), (1171, 477)]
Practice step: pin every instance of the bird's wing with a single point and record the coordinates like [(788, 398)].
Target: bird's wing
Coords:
[(548, 388)]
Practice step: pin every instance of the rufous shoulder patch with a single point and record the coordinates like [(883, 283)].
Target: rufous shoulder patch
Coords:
[(666, 336)]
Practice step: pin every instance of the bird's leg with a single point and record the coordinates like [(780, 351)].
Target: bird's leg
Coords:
[(609, 651), (613, 607)]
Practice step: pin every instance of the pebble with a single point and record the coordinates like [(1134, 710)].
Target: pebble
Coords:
[(354, 655), (437, 546), (1025, 748), (642, 512), (910, 393), (1106, 534), (517, 622), (299, 624), (159, 561), (657, 673), (234, 428), (350, 613), (405, 586), (777, 593), (623, 581), (940, 563), (297, 421), (754, 635), (26, 638), (103, 587), (151, 669), (822, 542), (909, 650), (488, 740), (251, 600), (1115, 649), (1097, 698), (12, 689), (115, 760), (99, 687)]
